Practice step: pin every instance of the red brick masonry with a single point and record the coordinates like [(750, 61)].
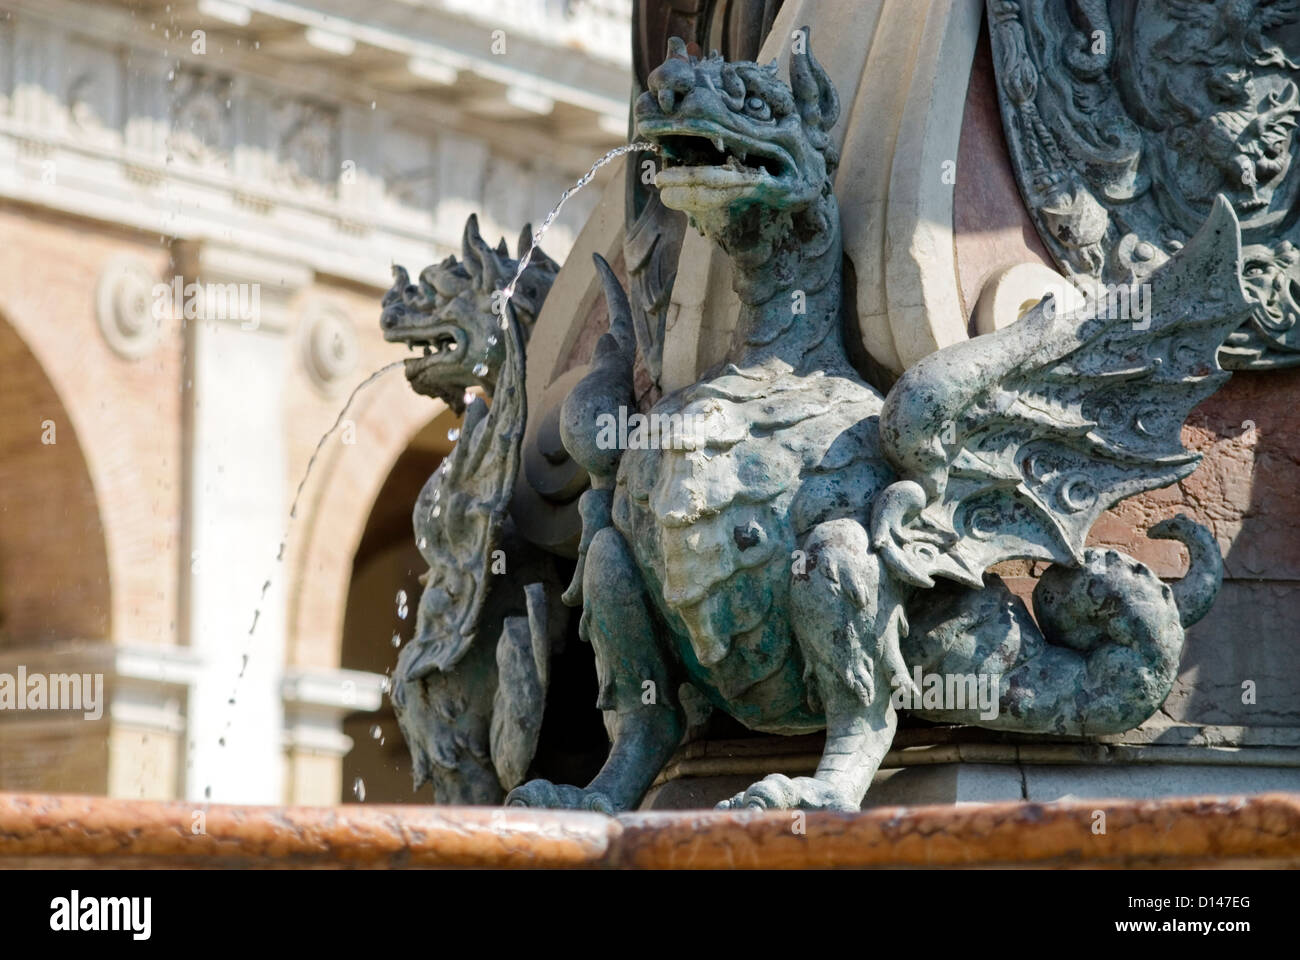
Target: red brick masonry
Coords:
[(41, 830)]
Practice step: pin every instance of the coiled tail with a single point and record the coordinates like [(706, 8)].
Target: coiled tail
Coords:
[(1101, 659)]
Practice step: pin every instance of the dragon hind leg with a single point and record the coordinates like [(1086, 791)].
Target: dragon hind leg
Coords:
[(847, 621), (637, 686)]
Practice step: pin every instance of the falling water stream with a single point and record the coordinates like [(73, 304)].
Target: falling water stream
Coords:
[(508, 292)]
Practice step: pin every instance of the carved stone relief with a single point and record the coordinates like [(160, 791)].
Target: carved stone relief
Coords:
[(329, 346), (124, 307), (1126, 120), (200, 126)]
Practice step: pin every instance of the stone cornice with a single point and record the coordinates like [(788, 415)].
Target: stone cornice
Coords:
[(343, 163)]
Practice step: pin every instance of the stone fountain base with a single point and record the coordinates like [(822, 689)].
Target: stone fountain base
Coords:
[(75, 832), (967, 765)]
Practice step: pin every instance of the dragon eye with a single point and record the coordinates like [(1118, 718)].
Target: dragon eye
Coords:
[(758, 107)]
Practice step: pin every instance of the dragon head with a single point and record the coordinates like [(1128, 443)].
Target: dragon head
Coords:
[(452, 315), (737, 143)]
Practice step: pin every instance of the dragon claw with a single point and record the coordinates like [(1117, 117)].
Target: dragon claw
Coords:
[(779, 792), (542, 794)]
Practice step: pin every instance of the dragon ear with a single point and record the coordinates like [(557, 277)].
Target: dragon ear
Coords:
[(468, 254), (502, 249), (814, 93), (480, 260), (539, 257)]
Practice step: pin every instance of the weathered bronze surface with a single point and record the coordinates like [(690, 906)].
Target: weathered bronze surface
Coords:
[(771, 536), (470, 688)]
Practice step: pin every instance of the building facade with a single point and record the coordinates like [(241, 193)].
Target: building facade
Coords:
[(202, 202)]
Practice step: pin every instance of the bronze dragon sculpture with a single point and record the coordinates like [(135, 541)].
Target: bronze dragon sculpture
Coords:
[(469, 689), (780, 547)]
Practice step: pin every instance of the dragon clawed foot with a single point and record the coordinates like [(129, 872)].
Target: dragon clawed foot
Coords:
[(779, 792), (559, 796)]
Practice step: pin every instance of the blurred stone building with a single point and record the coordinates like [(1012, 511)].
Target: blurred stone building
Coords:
[(281, 156)]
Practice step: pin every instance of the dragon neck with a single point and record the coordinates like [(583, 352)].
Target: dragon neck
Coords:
[(789, 285)]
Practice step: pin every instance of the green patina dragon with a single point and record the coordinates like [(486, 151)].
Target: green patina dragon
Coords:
[(470, 687), (778, 548)]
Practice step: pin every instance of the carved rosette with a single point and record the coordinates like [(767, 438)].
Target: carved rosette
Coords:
[(1125, 121), (125, 307), (330, 350)]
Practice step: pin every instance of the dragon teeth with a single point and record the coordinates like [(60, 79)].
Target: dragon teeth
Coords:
[(717, 143)]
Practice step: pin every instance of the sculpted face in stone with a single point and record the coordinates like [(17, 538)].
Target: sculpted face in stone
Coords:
[(453, 315), (735, 137)]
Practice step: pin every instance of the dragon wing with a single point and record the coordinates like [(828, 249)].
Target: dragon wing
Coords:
[(1010, 445), (460, 513)]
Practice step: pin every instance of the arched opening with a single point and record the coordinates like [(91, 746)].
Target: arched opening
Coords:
[(387, 566), (55, 588), (385, 585)]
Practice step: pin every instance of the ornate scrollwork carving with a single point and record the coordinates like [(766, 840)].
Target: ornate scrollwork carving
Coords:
[(1126, 121)]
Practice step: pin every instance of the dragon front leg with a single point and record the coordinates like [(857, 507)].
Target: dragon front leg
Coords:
[(847, 620), (638, 687)]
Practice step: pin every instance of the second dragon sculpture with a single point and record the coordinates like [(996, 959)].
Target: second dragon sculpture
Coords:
[(793, 544), (470, 687)]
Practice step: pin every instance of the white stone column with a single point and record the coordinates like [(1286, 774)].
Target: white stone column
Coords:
[(236, 489)]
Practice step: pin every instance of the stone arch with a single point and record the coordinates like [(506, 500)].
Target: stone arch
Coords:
[(386, 568), (55, 582), (336, 508)]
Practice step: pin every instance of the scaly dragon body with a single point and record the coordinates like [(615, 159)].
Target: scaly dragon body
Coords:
[(772, 545)]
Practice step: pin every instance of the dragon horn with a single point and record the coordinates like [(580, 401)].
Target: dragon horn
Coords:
[(819, 105), (480, 260), (620, 311), (539, 257)]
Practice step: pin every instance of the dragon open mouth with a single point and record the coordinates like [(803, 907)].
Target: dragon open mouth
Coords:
[(440, 344), (694, 150), (707, 156)]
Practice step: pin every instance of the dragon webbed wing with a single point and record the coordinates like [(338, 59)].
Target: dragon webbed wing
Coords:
[(460, 513), (1010, 445)]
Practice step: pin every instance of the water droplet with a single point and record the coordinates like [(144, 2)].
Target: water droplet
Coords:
[(492, 340), (480, 369), (453, 434), (402, 609), (423, 542), (376, 732), (359, 789), (397, 640), (436, 512)]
